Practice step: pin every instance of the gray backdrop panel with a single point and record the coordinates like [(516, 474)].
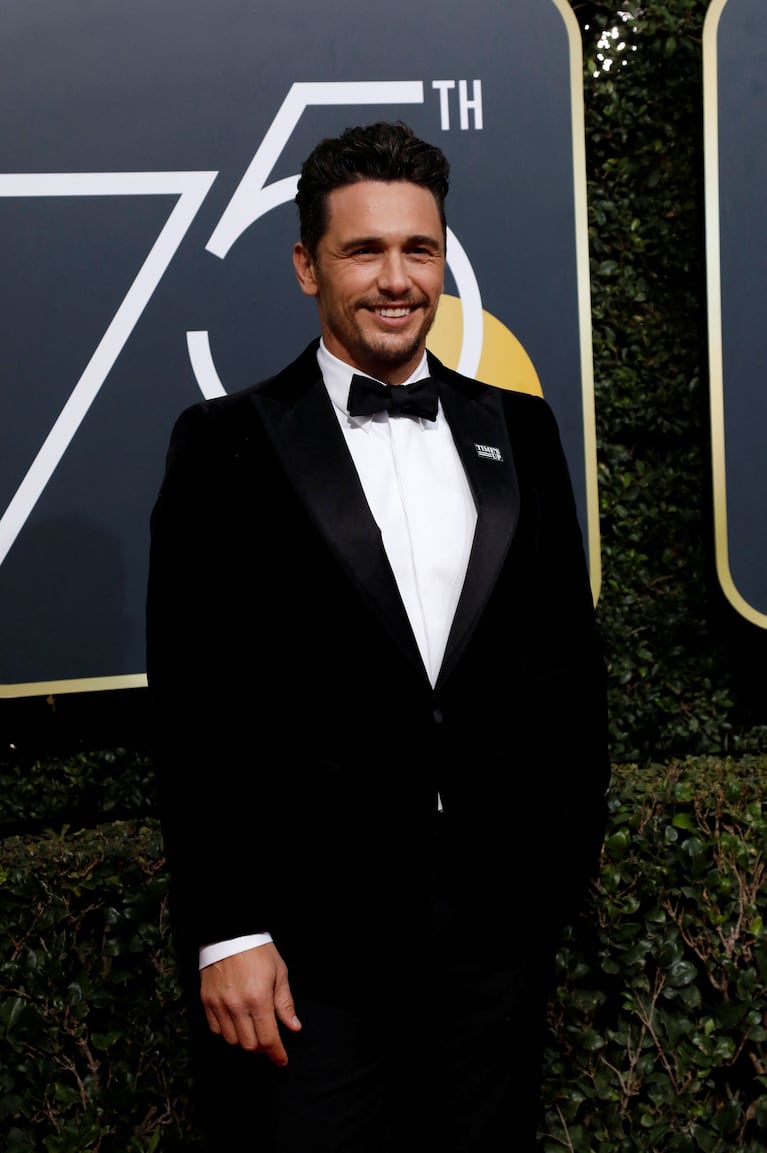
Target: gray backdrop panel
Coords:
[(194, 85)]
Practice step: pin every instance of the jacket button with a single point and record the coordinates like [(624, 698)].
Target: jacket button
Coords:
[(438, 717)]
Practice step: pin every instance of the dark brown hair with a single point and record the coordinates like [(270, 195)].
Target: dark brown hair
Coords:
[(380, 151)]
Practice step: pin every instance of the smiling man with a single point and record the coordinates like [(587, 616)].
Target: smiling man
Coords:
[(380, 702)]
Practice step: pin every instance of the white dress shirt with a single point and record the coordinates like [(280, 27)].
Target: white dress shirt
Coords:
[(420, 499)]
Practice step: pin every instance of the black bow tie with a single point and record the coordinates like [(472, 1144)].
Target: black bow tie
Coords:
[(367, 396)]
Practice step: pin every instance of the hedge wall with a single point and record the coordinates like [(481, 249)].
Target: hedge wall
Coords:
[(92, 1042), (657, 1027), (659, 1022)]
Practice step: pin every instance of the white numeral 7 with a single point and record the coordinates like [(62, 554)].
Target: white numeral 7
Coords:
[(191, 187)]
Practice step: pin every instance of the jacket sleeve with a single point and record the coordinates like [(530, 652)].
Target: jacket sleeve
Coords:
[(212, 795)]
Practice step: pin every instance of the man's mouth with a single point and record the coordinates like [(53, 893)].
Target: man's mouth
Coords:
[(390, 313)]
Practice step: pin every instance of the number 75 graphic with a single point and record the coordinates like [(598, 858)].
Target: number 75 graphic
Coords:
[(252, 199)]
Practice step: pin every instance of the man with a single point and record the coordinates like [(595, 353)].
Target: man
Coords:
[(380, 697)]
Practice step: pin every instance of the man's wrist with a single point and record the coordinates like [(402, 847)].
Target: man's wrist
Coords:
[(221, 949)]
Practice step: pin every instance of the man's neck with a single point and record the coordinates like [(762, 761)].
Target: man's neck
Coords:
[(417, 369)]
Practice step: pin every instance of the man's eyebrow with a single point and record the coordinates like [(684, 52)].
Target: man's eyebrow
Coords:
[(360, 242), (426, 240), (372, 241)]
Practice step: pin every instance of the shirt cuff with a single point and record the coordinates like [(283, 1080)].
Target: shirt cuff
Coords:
[(221, 949)]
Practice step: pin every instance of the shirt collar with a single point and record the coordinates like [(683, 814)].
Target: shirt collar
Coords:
[(337, 375)]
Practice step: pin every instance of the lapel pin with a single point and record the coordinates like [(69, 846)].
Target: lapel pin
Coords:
[(488, 452)]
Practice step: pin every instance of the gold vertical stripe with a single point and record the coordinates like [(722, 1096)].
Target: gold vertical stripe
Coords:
[(714, 289), (581, 224)]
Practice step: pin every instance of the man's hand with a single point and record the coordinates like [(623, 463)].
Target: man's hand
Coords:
[(244, 995)]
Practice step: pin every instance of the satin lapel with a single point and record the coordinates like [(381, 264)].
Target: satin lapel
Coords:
[(477, 422), (299, 417)]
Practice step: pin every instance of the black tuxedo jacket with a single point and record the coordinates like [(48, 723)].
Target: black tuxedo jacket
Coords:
[(300, 745)]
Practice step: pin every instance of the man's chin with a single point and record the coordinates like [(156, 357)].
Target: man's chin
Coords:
[(396, 350)]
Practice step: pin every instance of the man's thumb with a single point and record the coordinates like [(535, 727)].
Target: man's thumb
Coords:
[(286, 1010)]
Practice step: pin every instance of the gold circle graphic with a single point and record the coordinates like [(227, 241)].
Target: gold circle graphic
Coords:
[(504, 361)]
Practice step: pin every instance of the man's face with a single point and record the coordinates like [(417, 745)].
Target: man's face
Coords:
[(377, 275)]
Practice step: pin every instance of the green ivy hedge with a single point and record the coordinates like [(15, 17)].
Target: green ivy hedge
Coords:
[(92, 1037), (659, 1023), (657, 1027), (80, 790)]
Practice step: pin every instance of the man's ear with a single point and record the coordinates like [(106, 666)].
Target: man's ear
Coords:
[(304, 266)]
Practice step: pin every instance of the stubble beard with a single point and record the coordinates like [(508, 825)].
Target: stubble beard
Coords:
[(389, 350)]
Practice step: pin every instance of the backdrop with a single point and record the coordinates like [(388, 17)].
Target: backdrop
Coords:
[(151, 153)]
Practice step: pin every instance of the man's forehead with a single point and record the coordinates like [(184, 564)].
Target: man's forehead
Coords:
[(374, 204)]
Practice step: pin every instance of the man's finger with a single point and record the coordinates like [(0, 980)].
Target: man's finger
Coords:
[(268, 1040)]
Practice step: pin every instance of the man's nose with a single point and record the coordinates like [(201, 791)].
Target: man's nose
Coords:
[(393, 275)]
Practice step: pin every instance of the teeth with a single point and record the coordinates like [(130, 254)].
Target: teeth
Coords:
[(393, 312)]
